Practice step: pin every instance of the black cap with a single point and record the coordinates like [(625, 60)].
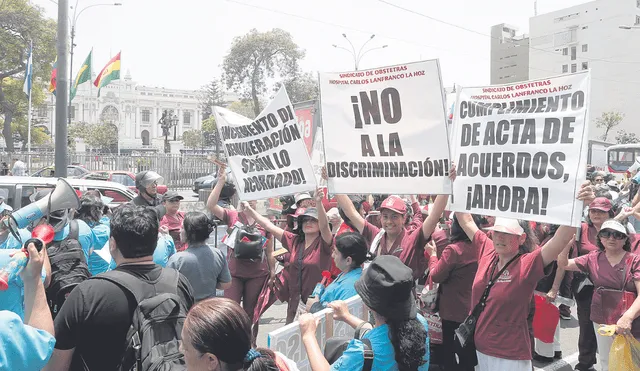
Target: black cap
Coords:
[(386, 287), (172, 195)]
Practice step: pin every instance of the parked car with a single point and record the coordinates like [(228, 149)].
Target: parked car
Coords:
[(21, 188), (126, 178), (73, 171)]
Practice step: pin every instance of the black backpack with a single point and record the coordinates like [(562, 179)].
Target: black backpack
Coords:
[(248, 241), (154, 338), (68, 268), (335, 346)]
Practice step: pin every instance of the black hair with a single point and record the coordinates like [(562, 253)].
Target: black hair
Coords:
[(211, 320), (357, 202), (197, 226), (353, 245), (90, 210), (228, 190), (377, 201), (135, 230), (457, 234), (409, 339), (531, 241)]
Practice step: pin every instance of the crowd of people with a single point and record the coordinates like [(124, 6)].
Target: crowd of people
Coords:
[(150, 287)]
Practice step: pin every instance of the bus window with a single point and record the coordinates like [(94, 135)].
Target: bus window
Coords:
[(621, 159)]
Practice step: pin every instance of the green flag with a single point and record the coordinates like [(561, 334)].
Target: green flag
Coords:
[(84, 75)]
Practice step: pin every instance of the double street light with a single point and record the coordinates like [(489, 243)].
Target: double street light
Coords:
[(357, 57)]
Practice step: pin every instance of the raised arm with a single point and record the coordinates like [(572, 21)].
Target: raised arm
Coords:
[(467, 224), (563, 236), (276, 231), (350, 211), (430, 224), (563, 259), (323, 221), (214, 196)]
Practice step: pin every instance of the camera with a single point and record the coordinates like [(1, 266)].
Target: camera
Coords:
[(464, 332)]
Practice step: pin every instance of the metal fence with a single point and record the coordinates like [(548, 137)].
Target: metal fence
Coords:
[(178, 170)]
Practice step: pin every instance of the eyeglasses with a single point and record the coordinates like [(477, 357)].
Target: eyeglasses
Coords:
[(615, 234)]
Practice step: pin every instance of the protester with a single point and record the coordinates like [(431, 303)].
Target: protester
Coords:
[(19, 168), (599, 211), (399, 339), (27, 345), (90, 212), (205, 267), (310, 248), (173, 218), (4, 196), (455, 271), (248, 276), (350, 252), (94, 320), (603, 267), (502, 336), (217, 336), (147, 186), (358, 205)]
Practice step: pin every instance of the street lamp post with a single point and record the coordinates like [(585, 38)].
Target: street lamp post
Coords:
[(167, 121), (358, 56), (73, 22), (625, 27)]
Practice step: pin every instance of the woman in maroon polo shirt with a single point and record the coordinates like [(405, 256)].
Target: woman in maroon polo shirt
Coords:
[(310, 248), (455, 270), (247, 275), (501, 334), (611, 268), (600, 210)]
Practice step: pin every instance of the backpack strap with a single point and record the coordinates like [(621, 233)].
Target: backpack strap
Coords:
[(367, 354), (166, 283), (74, 230)]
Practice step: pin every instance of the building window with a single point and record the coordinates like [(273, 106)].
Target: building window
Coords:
[(72, 112), (565, 68), (585, 48), (186, 117), (637, 20), (574, 68), (146, 115), (565, 51), (573, 53), (585, 66), (42, 111)]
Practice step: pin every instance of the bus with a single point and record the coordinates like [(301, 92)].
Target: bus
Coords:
[(622, 156)]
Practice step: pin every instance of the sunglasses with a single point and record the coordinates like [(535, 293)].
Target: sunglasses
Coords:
[(615, 234)]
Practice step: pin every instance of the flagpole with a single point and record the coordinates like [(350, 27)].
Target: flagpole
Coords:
[(29, 112)]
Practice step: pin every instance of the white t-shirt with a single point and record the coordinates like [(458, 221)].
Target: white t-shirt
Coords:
[(19, 169)]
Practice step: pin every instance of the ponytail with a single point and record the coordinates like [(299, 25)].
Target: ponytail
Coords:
[(409, 338), (262, 360)]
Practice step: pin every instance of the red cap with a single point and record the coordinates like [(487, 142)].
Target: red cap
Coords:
[(395, 204), (601, 203)]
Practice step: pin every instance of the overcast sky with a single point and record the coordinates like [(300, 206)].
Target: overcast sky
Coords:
[(181, 44)]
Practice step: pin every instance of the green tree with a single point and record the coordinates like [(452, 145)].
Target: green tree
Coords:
[(607, 121), (257, 56), (193, 138), (244, 108), (21, 23), (625, 138), (77, 130), (210, 95), (102, 136), (12, 89), (301, 86)]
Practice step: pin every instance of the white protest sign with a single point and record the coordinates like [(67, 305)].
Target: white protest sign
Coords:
[(385, 130), (520, 149), (267, 155), (288, 340)]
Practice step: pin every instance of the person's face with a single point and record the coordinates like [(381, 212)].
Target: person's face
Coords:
[(152, 189), (392, 222), (172, 206), (506, 243), (341, 262), (307, 203), (598, 216), (310, 225), (612, 240), (195, 360), (598, 180)]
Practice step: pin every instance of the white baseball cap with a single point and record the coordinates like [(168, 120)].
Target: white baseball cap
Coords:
[(506, 225), (614, 225)]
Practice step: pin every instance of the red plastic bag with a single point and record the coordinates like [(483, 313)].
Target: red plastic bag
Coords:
[(435, 328), (545, 320)]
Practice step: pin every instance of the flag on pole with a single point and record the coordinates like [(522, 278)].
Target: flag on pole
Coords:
[(54, 77), (28, 73), (84, 75), (109, 73)]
